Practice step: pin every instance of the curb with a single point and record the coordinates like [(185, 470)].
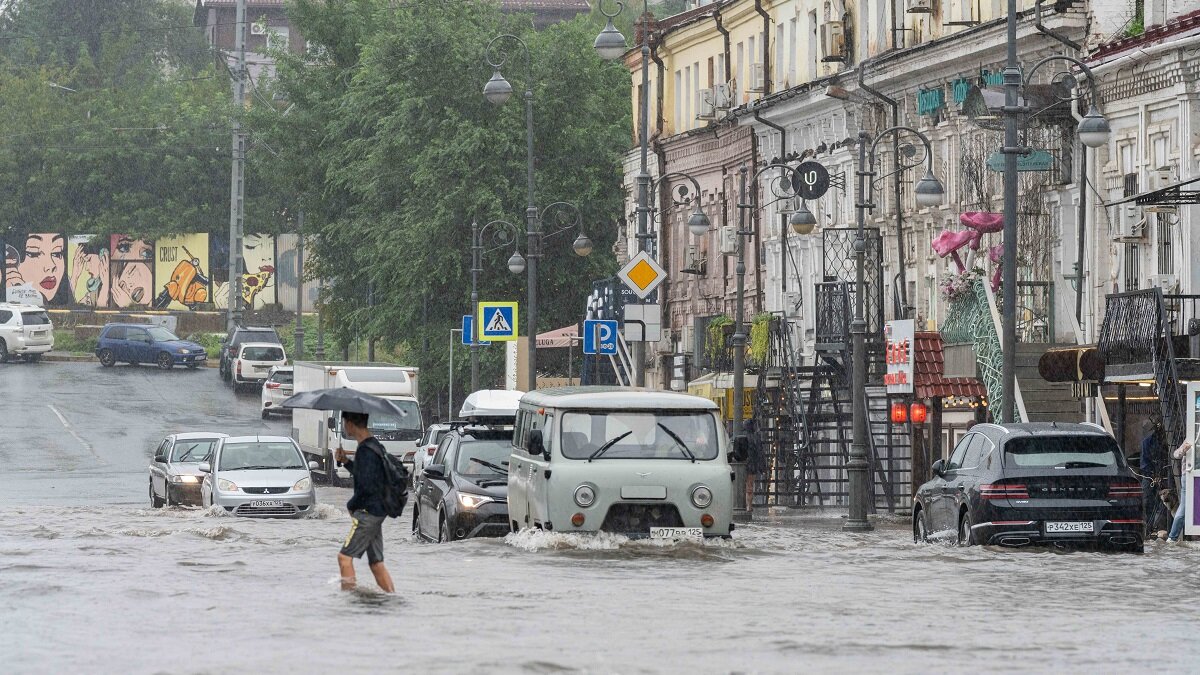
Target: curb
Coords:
[(61, 357)]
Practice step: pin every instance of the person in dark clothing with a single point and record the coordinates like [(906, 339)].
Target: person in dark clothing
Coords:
[(365, 505), (1153, 467)]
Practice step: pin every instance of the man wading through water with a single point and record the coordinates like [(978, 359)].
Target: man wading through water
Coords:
[(366, 507)]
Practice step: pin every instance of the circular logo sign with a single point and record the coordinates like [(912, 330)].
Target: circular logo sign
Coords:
[(810, 180)]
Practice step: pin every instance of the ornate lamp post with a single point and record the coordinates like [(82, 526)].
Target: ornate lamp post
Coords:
[(928, 192)]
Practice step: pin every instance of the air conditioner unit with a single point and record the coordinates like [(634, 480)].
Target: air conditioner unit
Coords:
[(708, 105), (722, 96), (757, 78), (693, 262), (1169, 283), (1130, 224), (920, 7), (729, 240), (833, 40), (258, 28)]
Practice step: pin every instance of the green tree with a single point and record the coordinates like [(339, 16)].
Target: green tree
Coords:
[(396, 152)]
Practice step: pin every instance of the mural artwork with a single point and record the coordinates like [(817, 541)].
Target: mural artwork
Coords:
[(40, 262), (89, 270), (180, 270), (258, 267), (132, 274)]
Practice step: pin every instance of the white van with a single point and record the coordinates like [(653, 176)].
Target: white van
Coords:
[(622, 460)]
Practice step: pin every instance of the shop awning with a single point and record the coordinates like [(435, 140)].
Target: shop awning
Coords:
[(928, 366), (561, 337)]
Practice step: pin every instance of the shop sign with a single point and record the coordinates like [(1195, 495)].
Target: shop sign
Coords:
[(898, 353), (930, 101)]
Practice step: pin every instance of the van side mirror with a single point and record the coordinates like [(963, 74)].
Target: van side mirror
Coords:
[(939, 468), (534, 444)]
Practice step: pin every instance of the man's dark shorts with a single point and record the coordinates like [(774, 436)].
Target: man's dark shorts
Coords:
[(366, 536)]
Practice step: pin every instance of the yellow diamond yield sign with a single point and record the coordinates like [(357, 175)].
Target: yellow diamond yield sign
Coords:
[(642, 274)]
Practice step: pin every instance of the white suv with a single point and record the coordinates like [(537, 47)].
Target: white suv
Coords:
[(254, 362), (25, 331)]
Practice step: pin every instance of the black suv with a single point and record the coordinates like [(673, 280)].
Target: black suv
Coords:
[(1040, 483), (234, 341), (463, 491)]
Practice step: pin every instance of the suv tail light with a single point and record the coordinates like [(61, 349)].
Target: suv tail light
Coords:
[(1003, 491), (269, 385), (239, 368), (1124, 490)]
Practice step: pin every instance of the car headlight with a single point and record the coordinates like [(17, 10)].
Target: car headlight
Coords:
[(226, 485), (585, 496), (702, 497), (184, 351), (302, 485), (473, 501), (184, 479)]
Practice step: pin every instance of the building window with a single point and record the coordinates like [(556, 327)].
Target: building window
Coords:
[(277, 37), (740, 65), (695, 90), (1133, 272), (678, 100), (813, 56), (686, 122), (792, 52), (1166, 248)]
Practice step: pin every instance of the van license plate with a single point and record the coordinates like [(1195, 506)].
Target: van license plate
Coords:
[(689, 533), (259, 503), (1059, 527)]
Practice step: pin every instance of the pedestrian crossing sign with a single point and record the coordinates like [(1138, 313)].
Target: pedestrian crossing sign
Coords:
[(498, 321)]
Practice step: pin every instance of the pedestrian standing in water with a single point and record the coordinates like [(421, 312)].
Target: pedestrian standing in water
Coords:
[(366, 506), (1154, 467), (1181, 454)]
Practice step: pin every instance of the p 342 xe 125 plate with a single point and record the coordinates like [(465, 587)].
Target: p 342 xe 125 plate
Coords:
[(1084, 527)]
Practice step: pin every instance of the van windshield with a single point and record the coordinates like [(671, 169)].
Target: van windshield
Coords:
[(638, 435)]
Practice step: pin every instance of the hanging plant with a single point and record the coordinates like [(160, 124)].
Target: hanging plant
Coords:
[(760, 338), (714, 344)]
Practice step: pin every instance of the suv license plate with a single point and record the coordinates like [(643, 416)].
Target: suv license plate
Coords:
[(266, 503), (1061, 527), (687, 533)]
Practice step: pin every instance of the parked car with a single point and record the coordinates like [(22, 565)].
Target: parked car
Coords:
[(141, 343), (254, 363), (434, 434), (640, 463), (175, 468), (263, 476), (277, 388), (239, 336), (464, 491), (25, 331), (1040, 483)]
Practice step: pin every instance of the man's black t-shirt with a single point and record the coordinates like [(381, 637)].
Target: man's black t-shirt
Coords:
[(369, 477)]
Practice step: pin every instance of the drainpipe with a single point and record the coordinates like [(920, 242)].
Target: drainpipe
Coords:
[(725, 35), (905, 307), (662, 74), (766, 46), (1037, 23), (783, 242)]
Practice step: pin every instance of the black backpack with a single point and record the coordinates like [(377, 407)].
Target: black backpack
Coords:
[(395, 484)]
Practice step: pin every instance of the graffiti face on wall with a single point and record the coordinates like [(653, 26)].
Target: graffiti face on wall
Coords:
[(41, 262), (258, 279), (132, 275), (89, 271), (125, 247), (180, 264)]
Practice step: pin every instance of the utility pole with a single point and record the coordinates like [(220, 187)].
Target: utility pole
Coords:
[(237, 188), (298, 352), (1008, 336)]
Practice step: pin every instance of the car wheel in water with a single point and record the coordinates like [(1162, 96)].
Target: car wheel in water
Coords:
[(266, 415), (3, 351), (155, 502), (443, 530), (107, 358), (920, 534), (416, 524), (165, 361), (966, 535)]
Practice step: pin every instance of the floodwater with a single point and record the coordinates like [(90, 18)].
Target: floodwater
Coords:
[(94, 580)]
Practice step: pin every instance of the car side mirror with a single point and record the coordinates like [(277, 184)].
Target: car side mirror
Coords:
[(204, 467), (939, 468), (534, 444), (313, 466), (435, 471), (160, 458)]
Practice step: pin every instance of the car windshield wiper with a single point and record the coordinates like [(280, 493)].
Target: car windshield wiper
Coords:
[(489, 465), (1080, 465), (252, 468), (604, 448), (682, 446)]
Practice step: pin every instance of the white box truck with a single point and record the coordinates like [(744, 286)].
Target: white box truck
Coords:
[(319, 432)]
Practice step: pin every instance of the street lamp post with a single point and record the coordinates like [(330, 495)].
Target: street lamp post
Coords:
[(1093, 131), (516, 264), (928, 192)]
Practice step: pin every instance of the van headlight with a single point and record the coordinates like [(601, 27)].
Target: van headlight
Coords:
[(701, 497), (302, 485), (585, 496), (471, 501), (184, 479), (226, 485)]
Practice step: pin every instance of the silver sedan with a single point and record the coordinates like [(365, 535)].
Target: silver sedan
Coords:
[(262, 476), (175, 468)]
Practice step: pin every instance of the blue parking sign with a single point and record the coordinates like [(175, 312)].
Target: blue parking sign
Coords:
[(468, 331), (600, 337)]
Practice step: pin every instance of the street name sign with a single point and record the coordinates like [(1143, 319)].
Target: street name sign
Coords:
[(1038, 160), (642, 274), (600, 337), (498, 321)]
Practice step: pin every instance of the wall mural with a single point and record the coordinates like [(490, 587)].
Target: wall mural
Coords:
[(180, 270), (179, 273)]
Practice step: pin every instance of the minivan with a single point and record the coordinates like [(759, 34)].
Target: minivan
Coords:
[(622, 460), (25, 331)]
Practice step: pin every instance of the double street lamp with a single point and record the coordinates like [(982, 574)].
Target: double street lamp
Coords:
[(497, 91), (928, 192)]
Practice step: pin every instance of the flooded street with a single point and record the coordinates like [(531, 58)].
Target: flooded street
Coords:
[(94, 580)]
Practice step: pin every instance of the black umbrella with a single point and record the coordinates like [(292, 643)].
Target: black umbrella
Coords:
[(344, 399)]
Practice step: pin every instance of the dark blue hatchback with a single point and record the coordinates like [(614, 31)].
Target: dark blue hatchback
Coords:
[(140, 343)]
